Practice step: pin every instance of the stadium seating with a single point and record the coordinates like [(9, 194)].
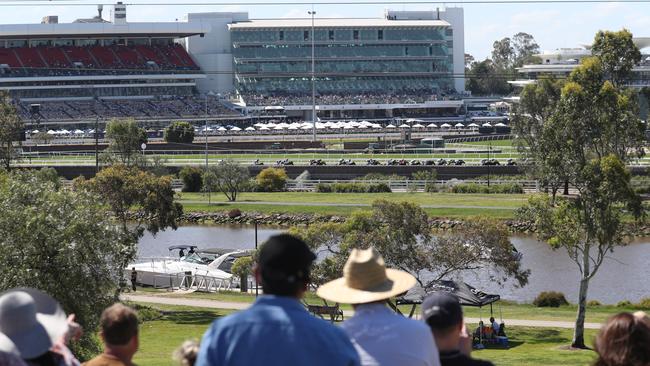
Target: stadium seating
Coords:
[(29, 57), (80, 54), (8, 57)]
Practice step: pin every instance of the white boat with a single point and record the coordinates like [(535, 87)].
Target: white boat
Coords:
[(212, 265)]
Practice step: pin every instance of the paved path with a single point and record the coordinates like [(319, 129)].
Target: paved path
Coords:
[(204, 303), (342, 204)]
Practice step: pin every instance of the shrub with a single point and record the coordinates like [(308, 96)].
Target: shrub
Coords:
[(550, 299), (181, 132), (624, 304), (145, 313), (235, 212), (353, 188), (192, 179), (271, 180), (509, 188), (644, 303), (593, 303)]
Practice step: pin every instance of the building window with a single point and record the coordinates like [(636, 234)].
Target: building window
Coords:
[(433, 66), (406, 51), (305, 35), (430, 51), (380, 34), (331, 35), (281, 35), (355, 34), (449, 32)]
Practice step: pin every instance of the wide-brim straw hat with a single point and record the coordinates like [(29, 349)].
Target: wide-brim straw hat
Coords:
[(366, 279), (32, 320)]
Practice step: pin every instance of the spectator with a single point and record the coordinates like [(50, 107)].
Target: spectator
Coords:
[(119, 332), (134, 278), (444, 315), (277, 329), (495, 326), (186, 354), (381, 336), (37, 326), (623, 341)]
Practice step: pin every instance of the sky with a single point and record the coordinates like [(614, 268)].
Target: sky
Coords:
[(553, 25)]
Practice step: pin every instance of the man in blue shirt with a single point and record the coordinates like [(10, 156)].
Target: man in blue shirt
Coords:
[(277, 329)]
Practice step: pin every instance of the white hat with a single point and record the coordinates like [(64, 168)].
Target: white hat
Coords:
[(366, 279), (32, 320)]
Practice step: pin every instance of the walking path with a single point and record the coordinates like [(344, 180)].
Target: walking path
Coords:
[(342, 204), (214, 304)]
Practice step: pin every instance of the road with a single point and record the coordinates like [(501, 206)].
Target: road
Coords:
[(214, 304)]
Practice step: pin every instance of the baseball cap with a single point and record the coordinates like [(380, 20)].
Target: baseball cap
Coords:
[(441, 310), (285, 256)]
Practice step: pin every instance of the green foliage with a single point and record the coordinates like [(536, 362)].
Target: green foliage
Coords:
[(644, 303), (353, 188), (624, 304), (228, 177), (11, 127), (379, 176), (48, 175), (192, 179), (429, 177), (617, 52), (510, 188), (125, 140), (271, 179), (550, 299), (181, 132), (485, 78), (146, 313), (64, 243), (594, 303), (402, 233), (242, 267)]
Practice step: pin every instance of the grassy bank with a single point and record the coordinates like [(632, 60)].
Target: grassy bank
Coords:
[(528, 346)]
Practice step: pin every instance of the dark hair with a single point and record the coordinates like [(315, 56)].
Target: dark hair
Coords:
[(623, 341), (119, 324), (285, 262)]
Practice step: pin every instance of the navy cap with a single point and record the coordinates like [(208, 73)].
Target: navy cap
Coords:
[(441, 310), (285, 256)]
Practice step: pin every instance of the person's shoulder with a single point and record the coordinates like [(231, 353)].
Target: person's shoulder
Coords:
[(415, 325), (463, 360)]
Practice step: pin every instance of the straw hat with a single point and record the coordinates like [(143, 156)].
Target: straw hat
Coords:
[(366, 279), (32, 320)]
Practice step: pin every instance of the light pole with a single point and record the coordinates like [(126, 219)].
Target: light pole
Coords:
[(205, 132), (313, 78)]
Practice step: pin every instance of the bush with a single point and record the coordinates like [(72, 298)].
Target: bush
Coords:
[(644, 303), (593, 303), (235, 212), (352, 188), (192, 179), (181, 132), (379, 176), (145, 313), (509, 188), (624, 304), (550, 299), (271, 180)]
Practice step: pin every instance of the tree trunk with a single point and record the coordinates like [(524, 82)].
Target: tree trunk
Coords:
[(579, 331), (243, 283), (566, 188)]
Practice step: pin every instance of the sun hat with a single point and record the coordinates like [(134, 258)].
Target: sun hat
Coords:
[(441, 310), (366, 279), (32, 320)]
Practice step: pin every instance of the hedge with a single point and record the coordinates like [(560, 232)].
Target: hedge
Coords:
[(481, 188), (352, 188)]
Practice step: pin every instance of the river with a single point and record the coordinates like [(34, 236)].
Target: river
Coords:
[(624, 275)]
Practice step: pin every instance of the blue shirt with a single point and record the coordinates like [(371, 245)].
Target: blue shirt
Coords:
[(275, 330)]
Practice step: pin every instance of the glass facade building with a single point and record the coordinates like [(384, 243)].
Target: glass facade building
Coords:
[(274, 57)]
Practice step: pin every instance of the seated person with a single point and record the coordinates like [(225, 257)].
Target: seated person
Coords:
[(495, 326), (502, 330)]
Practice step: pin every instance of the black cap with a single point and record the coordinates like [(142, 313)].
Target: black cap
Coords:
[(285, 256), (441, 310)]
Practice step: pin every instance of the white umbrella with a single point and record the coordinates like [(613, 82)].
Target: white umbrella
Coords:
[(307, 127), (293, 127), (445, 125), (78, 132), (487, 125), (222, 129), (472, 125), (500, 125), (51, 132), (390, 126), (271, 125), (278, 127), (404, 126), (64, 132), (320, 126), (264, 128), (432, 125), (249, 128), (35, 132), (348, 127), (259, 124), (376, 125), (417, 125), (235, 129), (459, 125)]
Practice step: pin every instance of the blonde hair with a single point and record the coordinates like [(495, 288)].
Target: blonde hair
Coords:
[(186, 354)]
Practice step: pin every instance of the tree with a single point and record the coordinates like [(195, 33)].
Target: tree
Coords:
[(192, 178), (241, 268), (228, 177), (61, 242), (11, 128), (503, 54), (469, 61), (401, 232), (486, 79), (138, 201), (181, 132), (590, 133), (525, 48), (271, 179), (125, 143)]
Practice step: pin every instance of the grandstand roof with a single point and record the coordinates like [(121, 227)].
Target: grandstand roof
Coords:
[(67, 30), (336, 23)]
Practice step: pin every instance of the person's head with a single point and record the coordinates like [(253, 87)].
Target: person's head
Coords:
[(119, 330), (284, 265), (623, 341), (491, 319), (444, 315), (186, 354), (133, 269)]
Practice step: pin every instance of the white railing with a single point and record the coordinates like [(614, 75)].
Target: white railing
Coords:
[(408, 185)]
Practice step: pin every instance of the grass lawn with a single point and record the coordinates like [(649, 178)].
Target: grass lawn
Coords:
[(528, 346)]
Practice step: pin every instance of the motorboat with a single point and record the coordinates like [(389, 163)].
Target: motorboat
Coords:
[(191, 266)]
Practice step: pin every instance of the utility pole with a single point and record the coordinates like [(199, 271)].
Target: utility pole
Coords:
[(205, 132), (313, 78), (95, 99)]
